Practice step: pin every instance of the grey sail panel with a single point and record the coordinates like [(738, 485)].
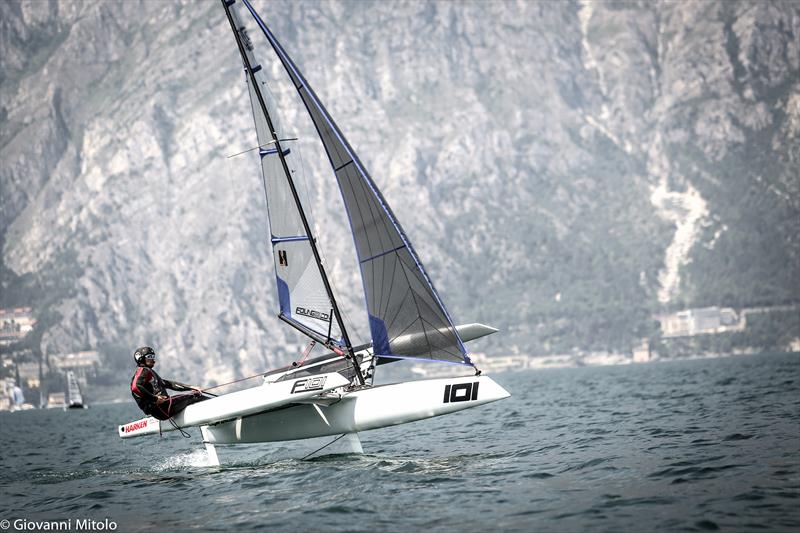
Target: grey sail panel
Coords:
[(406, 316), (412, 318), (373, 230), (303, 298)]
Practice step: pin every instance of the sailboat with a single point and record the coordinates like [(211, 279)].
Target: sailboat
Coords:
[(333, 394), (74, 396)]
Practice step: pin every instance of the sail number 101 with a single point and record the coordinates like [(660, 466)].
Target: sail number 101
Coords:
[(463, 392)]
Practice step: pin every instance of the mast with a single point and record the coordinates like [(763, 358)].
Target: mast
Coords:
[(312, 240)]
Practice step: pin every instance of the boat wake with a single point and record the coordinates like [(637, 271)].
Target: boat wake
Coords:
[(181, 461)]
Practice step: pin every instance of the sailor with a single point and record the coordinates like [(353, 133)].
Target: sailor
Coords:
[(149, 389)]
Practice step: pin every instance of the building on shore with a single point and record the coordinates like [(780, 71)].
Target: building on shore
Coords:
[(604, 358), (706, 320), (7, 363), (29, 374), (56, 399), (83, 364), (15, 324), (553, 361), (6, 394), (641, 351)]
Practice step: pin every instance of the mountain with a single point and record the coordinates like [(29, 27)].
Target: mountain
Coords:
[(565, 169)]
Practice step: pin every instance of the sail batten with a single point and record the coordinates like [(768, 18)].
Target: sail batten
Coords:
[(383, 253), (380, 242), (290, 239)]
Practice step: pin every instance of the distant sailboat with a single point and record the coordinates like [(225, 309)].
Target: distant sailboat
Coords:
[(17, 396), (18, 399), (333, 394), (74, 397)]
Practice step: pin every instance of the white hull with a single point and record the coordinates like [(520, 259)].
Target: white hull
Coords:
[(238, 404), (271, 412), (360, 410)]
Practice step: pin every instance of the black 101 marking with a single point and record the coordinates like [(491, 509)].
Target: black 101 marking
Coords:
[(463, 392)]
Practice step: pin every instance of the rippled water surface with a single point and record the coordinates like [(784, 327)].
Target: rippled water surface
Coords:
[(690, 445)]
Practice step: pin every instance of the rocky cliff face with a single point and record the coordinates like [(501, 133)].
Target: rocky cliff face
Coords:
[(563, 169)]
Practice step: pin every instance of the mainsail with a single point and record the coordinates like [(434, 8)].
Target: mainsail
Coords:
[(406, 316)]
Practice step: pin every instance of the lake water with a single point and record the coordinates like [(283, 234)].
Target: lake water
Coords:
[(690, 445)]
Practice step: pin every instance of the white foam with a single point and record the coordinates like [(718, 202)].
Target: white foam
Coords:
[(193, 459)]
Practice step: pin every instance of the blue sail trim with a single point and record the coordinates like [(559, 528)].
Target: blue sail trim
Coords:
[(380, 337), (382, 254), (283, 298), (276, 240), (288, 62), (467, 361), (263, 153)]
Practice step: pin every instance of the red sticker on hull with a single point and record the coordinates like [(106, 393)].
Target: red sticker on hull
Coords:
[(134, 426)]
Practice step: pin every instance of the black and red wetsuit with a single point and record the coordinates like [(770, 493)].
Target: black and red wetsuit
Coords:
[(147, 386)]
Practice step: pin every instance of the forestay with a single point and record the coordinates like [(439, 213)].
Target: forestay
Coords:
[(406, 316)]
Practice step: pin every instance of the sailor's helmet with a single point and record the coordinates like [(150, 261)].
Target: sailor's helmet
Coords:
[(145, 352)]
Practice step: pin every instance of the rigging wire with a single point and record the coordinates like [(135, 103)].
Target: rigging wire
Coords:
[(305, 354), (184, 434), (232, 382), (320, 449), (259, 375)]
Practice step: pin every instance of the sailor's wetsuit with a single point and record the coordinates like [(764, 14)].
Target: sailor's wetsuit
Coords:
[(147, 386)]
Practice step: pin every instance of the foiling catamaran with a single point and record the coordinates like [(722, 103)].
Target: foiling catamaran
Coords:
[(333, 394)]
